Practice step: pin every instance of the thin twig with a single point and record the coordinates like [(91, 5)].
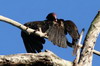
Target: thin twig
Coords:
[(78, 48)]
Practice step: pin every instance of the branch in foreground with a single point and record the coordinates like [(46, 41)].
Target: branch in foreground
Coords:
[(46, 58)]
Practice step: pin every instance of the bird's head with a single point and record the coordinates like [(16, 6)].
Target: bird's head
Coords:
[(51, 17)]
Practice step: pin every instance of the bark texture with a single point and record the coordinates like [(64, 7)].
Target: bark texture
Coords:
[(46, 58), (89, 42)]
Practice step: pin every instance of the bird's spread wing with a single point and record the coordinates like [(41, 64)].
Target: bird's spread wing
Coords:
[(56, 35), (55, 32), (33, 43), (71, 28)]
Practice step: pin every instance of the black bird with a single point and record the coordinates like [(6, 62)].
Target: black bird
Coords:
[(56, 30)]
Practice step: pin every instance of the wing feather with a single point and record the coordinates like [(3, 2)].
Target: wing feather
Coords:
[(33, 43), (71, 28), (57, 36)]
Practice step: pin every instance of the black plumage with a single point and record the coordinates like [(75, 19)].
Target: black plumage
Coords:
[(56, 30)]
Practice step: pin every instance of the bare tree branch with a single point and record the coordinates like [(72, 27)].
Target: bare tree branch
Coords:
[(46, 58), (96, 52), (22, 27), (89, 42), (78, 48)]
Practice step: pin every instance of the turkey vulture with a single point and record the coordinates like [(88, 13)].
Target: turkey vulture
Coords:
[(56, 30)]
